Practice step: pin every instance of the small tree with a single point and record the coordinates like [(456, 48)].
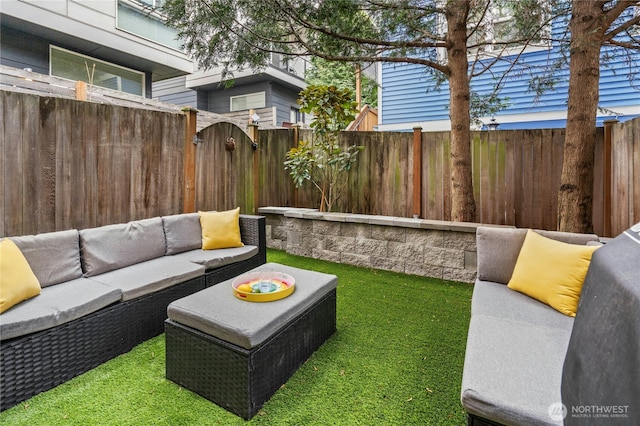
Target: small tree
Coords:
[(323, 161)]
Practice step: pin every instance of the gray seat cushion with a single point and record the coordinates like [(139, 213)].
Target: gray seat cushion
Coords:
[(112, 247), (217, 312), (496, 299), (211, 259), (150, 276), (57, 304), (183, 232), (54, 257), (512, 370), (513, 361)]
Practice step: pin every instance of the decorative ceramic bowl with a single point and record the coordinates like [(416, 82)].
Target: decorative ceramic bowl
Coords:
[(263, 286)]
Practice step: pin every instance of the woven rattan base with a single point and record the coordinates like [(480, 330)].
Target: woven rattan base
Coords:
[(242, 380)]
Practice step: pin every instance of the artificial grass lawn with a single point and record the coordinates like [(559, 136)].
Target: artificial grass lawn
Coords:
[(396, 358)]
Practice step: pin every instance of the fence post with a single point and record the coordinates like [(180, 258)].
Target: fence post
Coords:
[(189, 195), (417, 171), (607, 170), (296, 141), (252, 129), (81, 91)]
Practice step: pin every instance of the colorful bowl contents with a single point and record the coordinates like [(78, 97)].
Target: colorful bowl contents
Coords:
[(263, 286)]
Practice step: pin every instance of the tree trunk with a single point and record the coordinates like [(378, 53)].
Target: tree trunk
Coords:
[(575, 197), (463, 206)]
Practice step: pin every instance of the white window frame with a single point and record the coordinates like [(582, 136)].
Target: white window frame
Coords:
[(151, 8), (260, 102), (494, 16), (90, 60)]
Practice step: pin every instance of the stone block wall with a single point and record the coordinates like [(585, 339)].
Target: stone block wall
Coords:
[(445, 250)]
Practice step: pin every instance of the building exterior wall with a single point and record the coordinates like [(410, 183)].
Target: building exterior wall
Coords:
[(19, 50), (173, 90), (409, 97), (85, 27)]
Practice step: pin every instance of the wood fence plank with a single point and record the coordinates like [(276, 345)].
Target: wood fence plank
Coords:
[(446, 190), (32, 177), (539, 172), (75, 153), (169, 130), (428, 176), (63, 171), (619, 195), (103, 173), (598, 185), (492, 198), (510, 180), (524, 163), (13, 154), (90, 140), (476, 167), (502, 183), (547, 215)]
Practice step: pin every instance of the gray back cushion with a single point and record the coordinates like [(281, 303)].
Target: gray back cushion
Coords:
[(183, 232), (115, 246), (54, 257), (498, 249)]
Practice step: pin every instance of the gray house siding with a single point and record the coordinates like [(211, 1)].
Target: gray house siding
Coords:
[(173, 90), (219, 99), (22, 50), (283, 99)]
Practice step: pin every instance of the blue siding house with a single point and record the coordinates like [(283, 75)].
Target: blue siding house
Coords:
[(408, 96)]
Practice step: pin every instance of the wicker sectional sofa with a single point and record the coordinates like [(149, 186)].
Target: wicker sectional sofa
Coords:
[(104, 291), (516, 345)]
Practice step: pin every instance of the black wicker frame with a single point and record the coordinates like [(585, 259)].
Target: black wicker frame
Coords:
[(473, 420), (242, 380), (40, 361)]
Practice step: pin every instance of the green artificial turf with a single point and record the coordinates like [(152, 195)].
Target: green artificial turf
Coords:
[(396, 359)]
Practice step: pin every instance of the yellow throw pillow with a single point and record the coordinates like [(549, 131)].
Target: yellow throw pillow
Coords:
[(220, 229), (551, 271), (17, 280)]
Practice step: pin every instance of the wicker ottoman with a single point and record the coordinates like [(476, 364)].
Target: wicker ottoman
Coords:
[(237, 353)]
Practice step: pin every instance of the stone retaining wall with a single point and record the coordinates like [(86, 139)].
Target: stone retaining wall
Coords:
[(445, 250)]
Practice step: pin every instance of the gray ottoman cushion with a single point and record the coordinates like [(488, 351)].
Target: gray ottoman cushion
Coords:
[(116, 246), (211, 259), (150, 276), (54, 257), (217, 312), (57, 304), (183, 232)]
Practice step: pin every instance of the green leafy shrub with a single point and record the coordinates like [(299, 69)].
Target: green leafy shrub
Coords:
[(323, 161)]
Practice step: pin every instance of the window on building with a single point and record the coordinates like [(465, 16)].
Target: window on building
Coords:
[(499, 26), (295, 116), (74, 66), (248, 101), (143, 18)]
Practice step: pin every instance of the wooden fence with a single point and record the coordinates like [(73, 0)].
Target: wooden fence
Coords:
[(69, 164), (516, 176)]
